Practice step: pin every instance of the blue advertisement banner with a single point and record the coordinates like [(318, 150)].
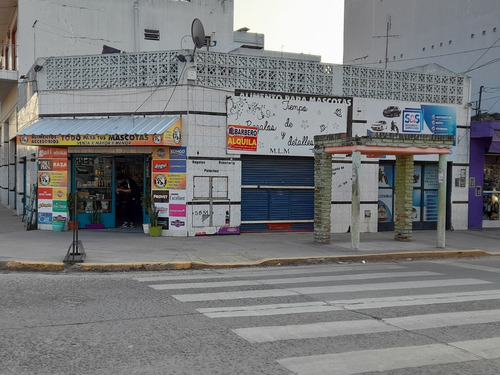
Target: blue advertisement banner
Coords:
[(440, 119), (406, 117)]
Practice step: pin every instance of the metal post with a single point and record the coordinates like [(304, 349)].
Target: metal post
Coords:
[(356, 200), (441, 219)]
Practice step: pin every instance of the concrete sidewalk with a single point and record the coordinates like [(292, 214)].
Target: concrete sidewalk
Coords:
[(130, 249)]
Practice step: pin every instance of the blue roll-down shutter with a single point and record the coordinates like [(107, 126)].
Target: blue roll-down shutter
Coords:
[(277, 193)]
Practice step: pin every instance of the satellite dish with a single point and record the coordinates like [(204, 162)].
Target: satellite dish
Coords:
[(198, 33)]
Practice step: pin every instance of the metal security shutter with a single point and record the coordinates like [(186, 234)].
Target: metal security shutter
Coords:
[(277, 193)]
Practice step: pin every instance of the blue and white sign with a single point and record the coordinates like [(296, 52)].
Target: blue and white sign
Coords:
[(404, 117), (412, 120), (440, 119)]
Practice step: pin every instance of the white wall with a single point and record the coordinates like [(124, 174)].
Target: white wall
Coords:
[(75, 27)]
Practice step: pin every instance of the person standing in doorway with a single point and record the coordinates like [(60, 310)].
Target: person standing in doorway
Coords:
[(128, 198)]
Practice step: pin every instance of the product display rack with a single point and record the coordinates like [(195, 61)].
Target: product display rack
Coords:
[(94, 184)]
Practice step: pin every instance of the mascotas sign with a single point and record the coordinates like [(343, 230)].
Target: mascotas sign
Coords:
[(154, 131), (272, 124)]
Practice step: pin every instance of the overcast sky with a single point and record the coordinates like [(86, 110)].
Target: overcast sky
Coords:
[(313, 26)]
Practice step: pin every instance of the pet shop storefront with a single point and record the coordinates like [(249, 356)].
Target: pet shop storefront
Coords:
[(87, 156)]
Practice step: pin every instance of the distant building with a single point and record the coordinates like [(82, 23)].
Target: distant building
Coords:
[(462, 36)]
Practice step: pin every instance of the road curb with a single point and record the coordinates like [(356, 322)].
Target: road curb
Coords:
[(186, 265)]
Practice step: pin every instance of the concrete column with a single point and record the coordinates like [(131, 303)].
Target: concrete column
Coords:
[(322, 195), (403, 225), (441, 220), (356, 200)]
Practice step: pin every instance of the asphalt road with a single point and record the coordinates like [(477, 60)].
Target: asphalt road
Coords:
[(397, 318)]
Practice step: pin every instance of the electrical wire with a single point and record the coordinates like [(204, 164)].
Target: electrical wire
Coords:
[(427, 57), (175, 87), (158, 86), (480, 57)]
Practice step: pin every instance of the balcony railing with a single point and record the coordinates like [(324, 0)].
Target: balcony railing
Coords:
[(255, 73), (8, 56)]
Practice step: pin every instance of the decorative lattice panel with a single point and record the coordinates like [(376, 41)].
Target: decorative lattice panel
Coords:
[(402, 85), (267, 74)]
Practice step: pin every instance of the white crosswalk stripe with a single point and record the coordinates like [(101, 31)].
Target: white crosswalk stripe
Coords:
[(358, 362), (350, 304), (199, 297), (331, 329), (347, 289), (297, 280)]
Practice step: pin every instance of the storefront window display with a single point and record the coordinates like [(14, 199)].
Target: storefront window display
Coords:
[(491, 187), (94, 185)]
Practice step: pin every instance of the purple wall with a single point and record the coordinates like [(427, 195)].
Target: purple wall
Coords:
[(480, 140)]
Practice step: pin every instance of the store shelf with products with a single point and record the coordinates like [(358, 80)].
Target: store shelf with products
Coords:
[(94, 185)]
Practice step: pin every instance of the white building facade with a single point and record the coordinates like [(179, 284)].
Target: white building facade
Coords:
[(222, 139)]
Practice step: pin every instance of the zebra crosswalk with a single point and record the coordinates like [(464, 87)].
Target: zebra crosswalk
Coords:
[(359, 301)]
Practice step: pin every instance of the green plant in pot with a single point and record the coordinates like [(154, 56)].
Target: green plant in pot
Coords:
[(95, 220), (148, 204), (73, 204)]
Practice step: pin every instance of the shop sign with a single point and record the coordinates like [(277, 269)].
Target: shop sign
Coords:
[(178, 166), (159, 181), (52, 178), (60, 193), (59, 206), (177, 196), (274, 124), (162, 166), (242, 138), (176, 181), (52, 164), (178, 210), (177, 224), (45, 205), (177, 153), (44, 193), (160, 196), (44, 217), (52, 153), (162, 209), (166, 139)]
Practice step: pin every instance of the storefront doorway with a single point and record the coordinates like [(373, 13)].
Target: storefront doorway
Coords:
[(131, 171), (95, 181)]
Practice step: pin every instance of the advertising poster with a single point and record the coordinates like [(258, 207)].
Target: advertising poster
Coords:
[(417, 205), (417, 176), (273, 124), (386, 176), (430, 205), (242, 138), (169, 185), (405, 117), (431, 177), (385, 204), (52, 184)]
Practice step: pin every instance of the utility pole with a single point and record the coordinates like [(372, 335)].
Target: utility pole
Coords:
[(479, 104), (387, 36)]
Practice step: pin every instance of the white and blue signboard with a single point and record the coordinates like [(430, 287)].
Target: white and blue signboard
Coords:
[(403, 117)]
